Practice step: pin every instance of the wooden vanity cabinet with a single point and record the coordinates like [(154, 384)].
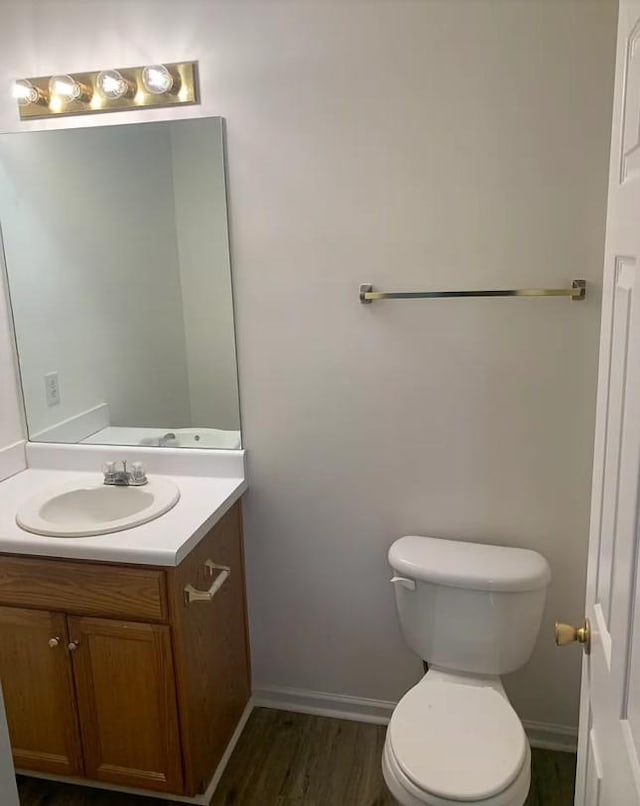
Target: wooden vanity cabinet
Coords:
[(109, 673)]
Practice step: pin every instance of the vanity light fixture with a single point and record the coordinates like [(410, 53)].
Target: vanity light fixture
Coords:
[(109, 90)]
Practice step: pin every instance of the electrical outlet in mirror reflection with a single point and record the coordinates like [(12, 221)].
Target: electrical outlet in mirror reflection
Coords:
[(52, 388)]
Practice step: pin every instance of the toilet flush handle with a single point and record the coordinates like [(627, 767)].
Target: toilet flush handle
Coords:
[(409, 584)]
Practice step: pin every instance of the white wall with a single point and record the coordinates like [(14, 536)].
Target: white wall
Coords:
[(203, 250), (95, 287), (433, 144)]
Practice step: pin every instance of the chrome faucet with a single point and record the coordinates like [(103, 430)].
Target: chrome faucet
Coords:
[(124, 478)]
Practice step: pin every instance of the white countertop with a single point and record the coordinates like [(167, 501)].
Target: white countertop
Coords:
[(164, 541)]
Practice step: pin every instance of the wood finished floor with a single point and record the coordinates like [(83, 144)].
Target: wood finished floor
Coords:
[(285, 759)]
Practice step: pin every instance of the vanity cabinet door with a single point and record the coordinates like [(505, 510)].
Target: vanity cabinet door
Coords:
[(38, 691), (126, 701)]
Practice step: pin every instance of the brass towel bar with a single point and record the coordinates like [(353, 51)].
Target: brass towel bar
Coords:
[(577, 291)]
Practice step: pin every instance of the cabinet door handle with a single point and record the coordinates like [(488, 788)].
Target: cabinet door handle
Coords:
[(54, 642), (192, 594), (73, 645)]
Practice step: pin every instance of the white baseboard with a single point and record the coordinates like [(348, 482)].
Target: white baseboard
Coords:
[(548, 736), (359, 709), (302, 701), (12, 459), (198, 800), (76, 428)]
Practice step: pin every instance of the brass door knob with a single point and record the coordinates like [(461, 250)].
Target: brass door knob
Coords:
[(54, 642), (566, 634), (73, 645)]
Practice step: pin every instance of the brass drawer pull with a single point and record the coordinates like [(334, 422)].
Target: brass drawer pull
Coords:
[(192, 594)]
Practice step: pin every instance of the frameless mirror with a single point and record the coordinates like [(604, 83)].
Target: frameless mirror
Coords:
[(117, 257)]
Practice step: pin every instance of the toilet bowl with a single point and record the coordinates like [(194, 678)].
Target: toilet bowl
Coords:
[(473, 612), (456, 740)]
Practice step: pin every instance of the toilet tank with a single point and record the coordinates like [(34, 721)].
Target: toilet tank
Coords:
[(469, 607)]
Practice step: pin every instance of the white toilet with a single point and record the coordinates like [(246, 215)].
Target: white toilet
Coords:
[(473, 613)]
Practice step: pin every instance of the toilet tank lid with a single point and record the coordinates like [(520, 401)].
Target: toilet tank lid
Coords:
[(475, 566)]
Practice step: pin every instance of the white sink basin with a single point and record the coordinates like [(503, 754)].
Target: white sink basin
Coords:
[(81, 511)]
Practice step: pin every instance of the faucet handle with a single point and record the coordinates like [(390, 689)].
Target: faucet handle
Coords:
[(137, 471), (109, 468)]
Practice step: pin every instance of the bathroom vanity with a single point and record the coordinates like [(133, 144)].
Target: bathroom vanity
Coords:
[(130, 674), (111, 673), (124, 649)]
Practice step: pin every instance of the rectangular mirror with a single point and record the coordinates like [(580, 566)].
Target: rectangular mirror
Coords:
[(117, 256)]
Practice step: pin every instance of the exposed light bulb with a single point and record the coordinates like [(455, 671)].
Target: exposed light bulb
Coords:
[(157, 79), (25, 93), (112, 85), (63, 87), (67, 89)]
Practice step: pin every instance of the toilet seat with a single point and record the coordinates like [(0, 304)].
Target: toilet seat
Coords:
[(407, 794), (456, 739)]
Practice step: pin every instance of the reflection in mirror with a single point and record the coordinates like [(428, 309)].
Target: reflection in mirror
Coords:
[(117, 257)]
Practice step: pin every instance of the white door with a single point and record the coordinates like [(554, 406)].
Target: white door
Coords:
[(609, 741)]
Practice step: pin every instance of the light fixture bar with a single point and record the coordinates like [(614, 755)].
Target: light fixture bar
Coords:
[(100, 94)]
